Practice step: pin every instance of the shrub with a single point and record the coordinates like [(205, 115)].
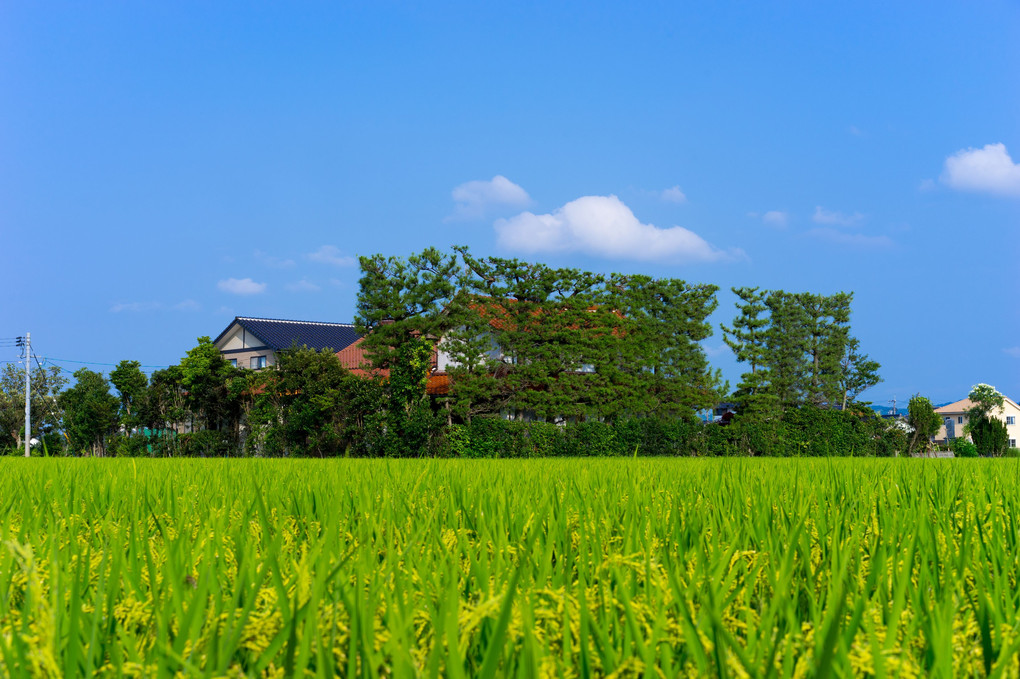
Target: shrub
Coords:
[(207, 443), (961, 447)]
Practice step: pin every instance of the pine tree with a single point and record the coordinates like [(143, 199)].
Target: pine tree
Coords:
[(748, 338), (786, 342)]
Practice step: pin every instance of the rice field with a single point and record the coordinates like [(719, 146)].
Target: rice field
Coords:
[(593, 567)]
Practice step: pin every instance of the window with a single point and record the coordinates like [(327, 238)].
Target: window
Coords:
[(1012, 443), (1010, 419), (233, 362), (257, 362), (959, 420)]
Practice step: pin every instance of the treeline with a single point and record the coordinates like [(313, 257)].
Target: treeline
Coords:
[(537, 361), (311, 406)]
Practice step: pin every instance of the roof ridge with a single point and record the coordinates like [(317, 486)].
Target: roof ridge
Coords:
[(291, 320)]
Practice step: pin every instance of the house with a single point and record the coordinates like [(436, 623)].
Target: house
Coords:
[(954, 418), (255, 342)]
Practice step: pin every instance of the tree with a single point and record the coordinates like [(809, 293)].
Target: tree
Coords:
[(990, 436), (858, 373), (986, 399), (132, 384), (45, 409), (786, 346), (827, 328), (549, 330), (748, 338), (411, 423), (925, 421), (311, 405), (399, 300), (204, 375), (661, 324), (988, 432), (164, 403), (90, 412), (799, 349)]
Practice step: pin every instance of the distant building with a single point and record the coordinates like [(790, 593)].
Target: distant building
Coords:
[(255, 342), (954, 419)]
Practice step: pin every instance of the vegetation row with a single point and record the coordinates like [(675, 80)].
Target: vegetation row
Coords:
[(615, 360)]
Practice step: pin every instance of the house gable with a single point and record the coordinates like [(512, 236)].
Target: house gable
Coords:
[(238, 338), (246, 332)]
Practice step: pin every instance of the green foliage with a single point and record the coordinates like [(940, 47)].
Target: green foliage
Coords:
[(411, 424), (991, 438), (858, 372), (127, 445), (803, 432), (962, 447), (132, 384), (565, 344), (925, 422), (400, 300), (45, 408), (748, 339), (207, 443), (786, 347), (165, 404), (986, 400), (799, 350), (828, 334), (90, 412), (204, 377), (316, 407)]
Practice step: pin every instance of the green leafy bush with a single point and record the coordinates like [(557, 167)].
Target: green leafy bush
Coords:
[(961, 447), (207, 443)]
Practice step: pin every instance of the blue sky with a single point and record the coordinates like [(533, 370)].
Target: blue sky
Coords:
[(165, 167)]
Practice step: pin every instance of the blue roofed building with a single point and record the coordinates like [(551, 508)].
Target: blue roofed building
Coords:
[(254, 342)]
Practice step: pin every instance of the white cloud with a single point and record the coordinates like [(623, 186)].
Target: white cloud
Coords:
[(989, 169), (475, 198), (775, 218), (273, 261), (303, 285), (673, 195), (241, 286), (603, 226), (134, 307), (331, 254), (823, 216), (857, 240), (1012, 351), (716, 351), (188, 305)]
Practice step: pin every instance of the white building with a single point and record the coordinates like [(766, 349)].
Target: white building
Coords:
[(954, 418)]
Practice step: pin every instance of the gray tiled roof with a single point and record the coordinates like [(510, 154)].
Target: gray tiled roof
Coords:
[(281, 334)]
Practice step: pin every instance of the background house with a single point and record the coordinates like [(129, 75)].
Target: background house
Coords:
[(954, 418), (254, 342)]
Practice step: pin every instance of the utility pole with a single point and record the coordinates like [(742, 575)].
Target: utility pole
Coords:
[(28, 393)]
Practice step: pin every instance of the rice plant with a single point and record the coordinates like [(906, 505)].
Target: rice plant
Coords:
[(594, 567)]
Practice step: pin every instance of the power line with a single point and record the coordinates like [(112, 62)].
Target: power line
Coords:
[(57, 420), (67, 360)]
